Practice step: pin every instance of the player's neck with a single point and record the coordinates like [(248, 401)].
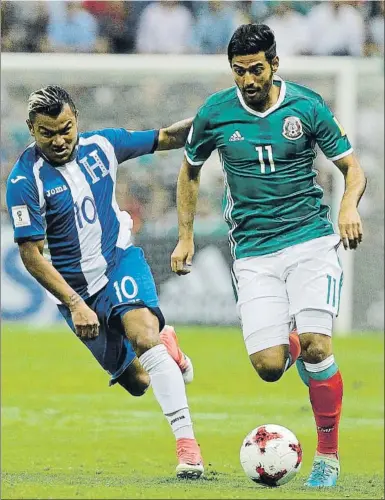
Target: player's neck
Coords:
[(272, 99)]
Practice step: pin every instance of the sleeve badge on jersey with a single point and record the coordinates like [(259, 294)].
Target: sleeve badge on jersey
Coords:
[(20, 216), (292, 128), (189, 137), (339, 126)]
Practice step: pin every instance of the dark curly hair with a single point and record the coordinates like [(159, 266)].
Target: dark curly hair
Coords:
[(251, 39)]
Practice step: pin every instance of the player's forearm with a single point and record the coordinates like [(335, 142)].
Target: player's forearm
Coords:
[(49, 277), (355, 180), (355, 185), (187, 196), (174, 136)]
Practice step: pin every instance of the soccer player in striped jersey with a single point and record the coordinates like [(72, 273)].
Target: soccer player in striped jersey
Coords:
[(283, 243), (76, 242)]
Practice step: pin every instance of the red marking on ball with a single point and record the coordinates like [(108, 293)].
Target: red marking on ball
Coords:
[(268, 479), (298, 449), (262, 436)]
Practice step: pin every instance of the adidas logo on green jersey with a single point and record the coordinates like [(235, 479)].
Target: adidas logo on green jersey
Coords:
[(236, 137)]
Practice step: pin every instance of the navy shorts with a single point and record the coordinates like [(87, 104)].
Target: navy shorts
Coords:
[(130, 286)]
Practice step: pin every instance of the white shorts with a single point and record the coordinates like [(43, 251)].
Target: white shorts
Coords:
[(302, 283)]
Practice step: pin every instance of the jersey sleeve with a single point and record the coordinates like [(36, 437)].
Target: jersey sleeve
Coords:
[(329, 134), (129, 144), (200, 142), (24, 209)]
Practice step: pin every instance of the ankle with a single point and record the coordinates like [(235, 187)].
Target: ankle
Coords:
[(185, 440), (333, 455), (185, 433)]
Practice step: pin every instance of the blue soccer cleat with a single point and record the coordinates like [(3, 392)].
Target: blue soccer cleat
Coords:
[(324, 473)]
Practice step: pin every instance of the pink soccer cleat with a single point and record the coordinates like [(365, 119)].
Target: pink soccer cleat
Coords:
[(169, 339), (190, 464)]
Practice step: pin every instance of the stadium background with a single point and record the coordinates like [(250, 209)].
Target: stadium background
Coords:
[(64, 432), (146, 186)]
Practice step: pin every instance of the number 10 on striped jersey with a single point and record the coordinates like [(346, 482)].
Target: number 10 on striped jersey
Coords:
[(269, 150)]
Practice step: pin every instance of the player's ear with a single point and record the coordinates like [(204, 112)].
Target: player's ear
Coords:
[(275, 64), (30, 127)]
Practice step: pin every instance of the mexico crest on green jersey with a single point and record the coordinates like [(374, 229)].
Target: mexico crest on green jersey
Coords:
[(292, 128)]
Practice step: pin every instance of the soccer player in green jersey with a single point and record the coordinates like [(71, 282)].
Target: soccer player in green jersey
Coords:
[(286, 269)]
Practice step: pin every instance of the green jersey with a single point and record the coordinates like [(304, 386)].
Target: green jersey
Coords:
[(271, 199)]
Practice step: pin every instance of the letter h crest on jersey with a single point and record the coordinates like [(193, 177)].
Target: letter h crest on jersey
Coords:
[(97, 164)]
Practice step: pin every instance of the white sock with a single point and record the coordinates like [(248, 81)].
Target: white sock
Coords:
[(169, 389), (181, 424), (321, 366)]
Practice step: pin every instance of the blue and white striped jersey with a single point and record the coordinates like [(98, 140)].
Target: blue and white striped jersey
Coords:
[(73, 206)]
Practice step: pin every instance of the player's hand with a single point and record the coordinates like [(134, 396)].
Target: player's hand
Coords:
[(181, 257), (350, 226), (85, 321)]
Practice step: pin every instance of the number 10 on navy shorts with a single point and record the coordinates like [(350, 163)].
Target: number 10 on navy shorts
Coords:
[(130, 286)]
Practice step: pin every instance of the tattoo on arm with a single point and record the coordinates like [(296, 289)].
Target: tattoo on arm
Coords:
[(73, 300)]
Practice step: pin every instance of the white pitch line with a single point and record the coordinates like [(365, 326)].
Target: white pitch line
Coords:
[(150, 419)]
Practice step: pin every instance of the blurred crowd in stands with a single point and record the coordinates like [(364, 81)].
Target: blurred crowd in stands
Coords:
[(354, 28), (146, 186)]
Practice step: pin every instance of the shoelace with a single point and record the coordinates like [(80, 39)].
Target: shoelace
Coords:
[(320, 470)]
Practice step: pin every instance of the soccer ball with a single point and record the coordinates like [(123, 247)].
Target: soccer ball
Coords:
[(271, 455)]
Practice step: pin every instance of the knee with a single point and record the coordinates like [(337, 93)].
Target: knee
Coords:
[(147, 339), (270, 369), (269, 373), (135, 386), (270, 363), (138, 390), (317, 349), (142, 330)]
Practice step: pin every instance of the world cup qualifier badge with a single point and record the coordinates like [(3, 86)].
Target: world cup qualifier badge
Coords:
[(292, 128)]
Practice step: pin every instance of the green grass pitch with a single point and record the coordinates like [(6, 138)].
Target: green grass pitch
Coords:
[(66, 434)]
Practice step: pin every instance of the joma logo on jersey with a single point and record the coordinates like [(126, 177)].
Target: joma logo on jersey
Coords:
[(292, 128), (56, 190), (98, 164)]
